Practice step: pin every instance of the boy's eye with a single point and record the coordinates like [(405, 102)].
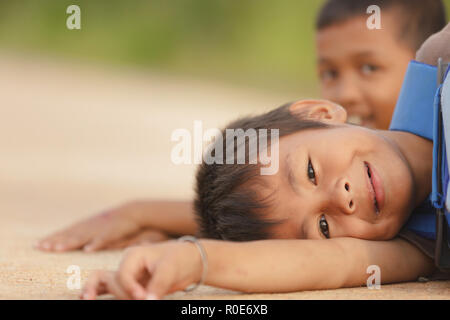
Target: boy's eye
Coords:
[(311, 173), (323, 227), (368, 69), (328, 75)]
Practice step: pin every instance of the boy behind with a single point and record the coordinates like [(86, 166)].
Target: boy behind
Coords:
[(363, 69)]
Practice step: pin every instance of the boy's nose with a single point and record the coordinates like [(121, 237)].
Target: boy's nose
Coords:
[(348, 94), (343, 196), (346, 91)]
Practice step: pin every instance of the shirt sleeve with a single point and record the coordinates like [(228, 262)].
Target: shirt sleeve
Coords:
[(414, 110)]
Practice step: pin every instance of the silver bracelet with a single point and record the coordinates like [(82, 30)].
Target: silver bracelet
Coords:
[(202, 251)]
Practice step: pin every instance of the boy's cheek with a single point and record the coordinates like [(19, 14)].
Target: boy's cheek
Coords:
[(364, 107), (383, 105), (380, 97), (382, 111)]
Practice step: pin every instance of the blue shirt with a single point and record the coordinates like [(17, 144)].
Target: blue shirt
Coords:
[(417, 112)]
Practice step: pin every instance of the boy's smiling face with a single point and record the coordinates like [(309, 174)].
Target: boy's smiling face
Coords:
[(363, 69), (324, 183)]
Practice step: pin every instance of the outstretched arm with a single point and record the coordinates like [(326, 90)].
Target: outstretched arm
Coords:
[(172, 217), (259, 266), (129, 224)]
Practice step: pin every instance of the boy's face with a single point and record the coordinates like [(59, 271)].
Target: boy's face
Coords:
[(363, 69), (323, 181)]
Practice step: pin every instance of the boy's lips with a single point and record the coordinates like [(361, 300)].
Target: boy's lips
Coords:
[(375, 186)]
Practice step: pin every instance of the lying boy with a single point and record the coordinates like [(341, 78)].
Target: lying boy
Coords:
[(362, 69), (363, 75), (341, 196)]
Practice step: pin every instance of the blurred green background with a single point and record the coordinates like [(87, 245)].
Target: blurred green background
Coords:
[(259, 43)]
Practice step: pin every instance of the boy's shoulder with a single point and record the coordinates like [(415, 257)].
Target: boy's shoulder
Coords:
[(414, 110)]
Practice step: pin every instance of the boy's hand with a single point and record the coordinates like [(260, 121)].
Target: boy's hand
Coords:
[(436, 46), (115, 228), (148, 272)]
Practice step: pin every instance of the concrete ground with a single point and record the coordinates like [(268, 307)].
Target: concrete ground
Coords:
[(76, 139)]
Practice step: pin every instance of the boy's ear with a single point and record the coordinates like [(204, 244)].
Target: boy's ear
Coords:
[(319, 110)]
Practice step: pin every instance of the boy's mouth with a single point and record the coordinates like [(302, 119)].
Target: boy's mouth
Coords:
[(375, 187), (360, 121)]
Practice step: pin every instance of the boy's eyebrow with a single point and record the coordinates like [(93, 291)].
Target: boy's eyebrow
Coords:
[(322, 60), (362, 54)]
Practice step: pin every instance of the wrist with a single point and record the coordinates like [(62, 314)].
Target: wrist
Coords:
[(195, 255), (197, 264)]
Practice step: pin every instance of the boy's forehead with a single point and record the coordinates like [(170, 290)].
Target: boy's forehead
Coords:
[(352, 35), (306, 134), (334, 135)]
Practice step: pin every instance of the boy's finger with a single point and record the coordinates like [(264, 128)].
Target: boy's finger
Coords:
[(114, 287), (99, 242), (162, 280), (47, 242), (70, 243), (94, 286), (69, 239), (131, 286), (127, 278)]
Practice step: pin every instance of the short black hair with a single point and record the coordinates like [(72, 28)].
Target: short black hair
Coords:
[(419, 18), (228, 205)]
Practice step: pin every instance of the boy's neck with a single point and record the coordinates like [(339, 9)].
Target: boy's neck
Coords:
[(418, 154)]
